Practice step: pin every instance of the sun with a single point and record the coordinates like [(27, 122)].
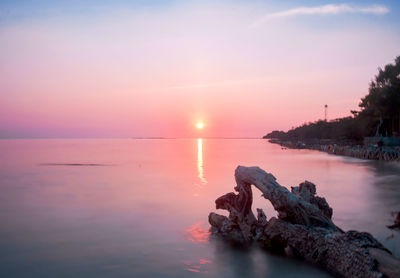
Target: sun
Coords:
[(200, 125)]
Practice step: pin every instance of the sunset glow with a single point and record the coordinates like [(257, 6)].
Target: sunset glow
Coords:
[(199, 125), (151, 68)]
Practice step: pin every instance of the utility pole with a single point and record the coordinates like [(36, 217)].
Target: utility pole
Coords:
[(326, 112)]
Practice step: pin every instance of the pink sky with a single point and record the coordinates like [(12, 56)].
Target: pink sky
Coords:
[(156, 72)]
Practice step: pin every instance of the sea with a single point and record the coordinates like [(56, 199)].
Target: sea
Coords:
[(139, 207)]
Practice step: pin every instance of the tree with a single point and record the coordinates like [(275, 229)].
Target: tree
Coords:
[(383, 100), (379, 114)]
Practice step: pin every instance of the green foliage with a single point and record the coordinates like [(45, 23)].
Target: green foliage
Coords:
[(348, 128), (383, 100), (384, 91), (379, 108)]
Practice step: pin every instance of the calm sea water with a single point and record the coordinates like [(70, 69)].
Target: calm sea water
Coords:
[(138, 208)]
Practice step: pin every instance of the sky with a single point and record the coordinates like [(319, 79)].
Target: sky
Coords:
[(157, 68)]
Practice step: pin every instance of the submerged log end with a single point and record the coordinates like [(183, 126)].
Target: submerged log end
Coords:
[(222, 226)]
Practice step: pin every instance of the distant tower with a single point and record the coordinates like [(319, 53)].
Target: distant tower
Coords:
[(326, 112)]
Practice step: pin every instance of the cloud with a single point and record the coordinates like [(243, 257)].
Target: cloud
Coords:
[(331, 9)]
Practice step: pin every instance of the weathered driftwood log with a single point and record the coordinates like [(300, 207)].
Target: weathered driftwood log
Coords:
[(303, 228)]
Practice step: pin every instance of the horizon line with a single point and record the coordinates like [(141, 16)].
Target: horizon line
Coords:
[(132, 138)]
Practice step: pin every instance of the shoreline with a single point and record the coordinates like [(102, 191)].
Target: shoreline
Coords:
[(384, 153)]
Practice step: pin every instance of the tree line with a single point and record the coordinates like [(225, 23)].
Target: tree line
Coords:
[(379, 114)]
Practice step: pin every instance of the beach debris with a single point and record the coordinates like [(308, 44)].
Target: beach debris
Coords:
[(303, 227), (396, 224)]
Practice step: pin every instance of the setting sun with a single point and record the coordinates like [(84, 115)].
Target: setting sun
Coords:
[(199, 125)]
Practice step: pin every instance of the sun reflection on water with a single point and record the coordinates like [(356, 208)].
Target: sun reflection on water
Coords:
[(200, 168), (197, 234)]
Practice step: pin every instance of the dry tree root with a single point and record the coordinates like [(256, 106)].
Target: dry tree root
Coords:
[(304, 226)]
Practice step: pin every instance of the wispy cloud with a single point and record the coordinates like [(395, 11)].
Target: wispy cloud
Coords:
[(330, 9)]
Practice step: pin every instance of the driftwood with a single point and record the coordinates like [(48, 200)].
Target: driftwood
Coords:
[(304, 227)]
